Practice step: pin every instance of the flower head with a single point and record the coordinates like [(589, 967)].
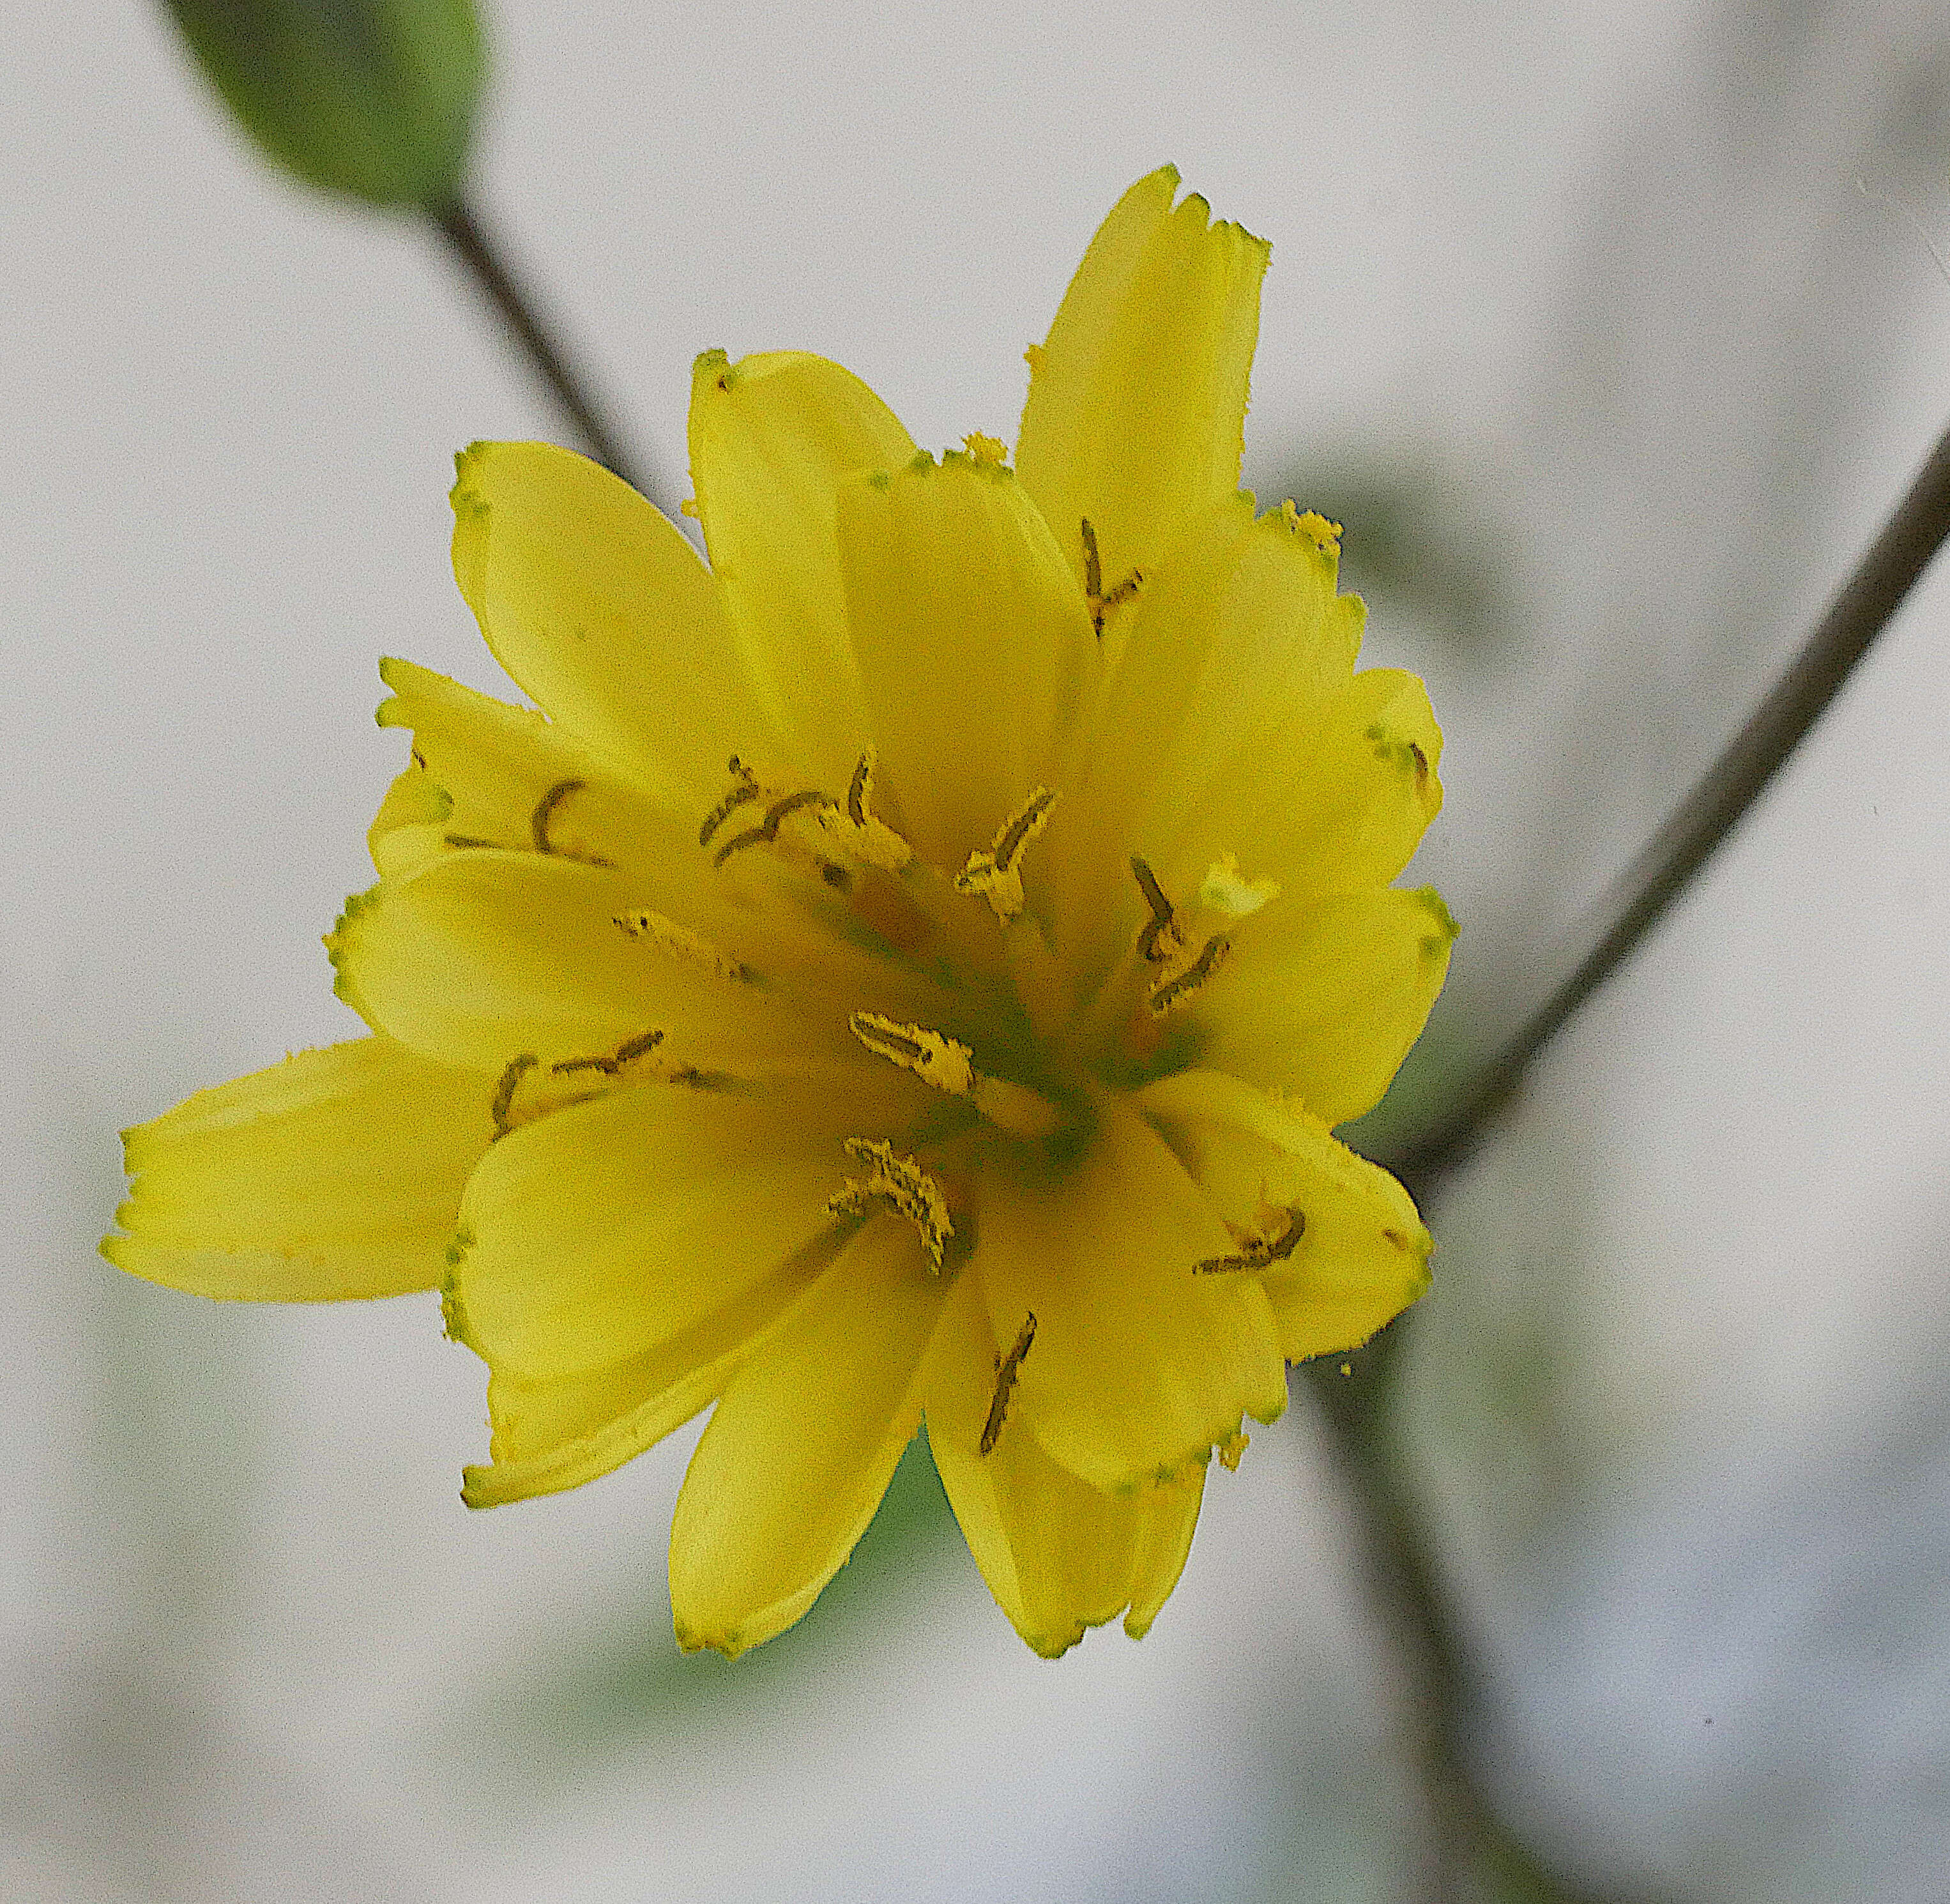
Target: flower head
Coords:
[(910, 969)]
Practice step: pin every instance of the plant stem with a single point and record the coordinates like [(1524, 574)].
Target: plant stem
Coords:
[(1467, 1839), (1871, 595), (459, 224), (1403, 1579)]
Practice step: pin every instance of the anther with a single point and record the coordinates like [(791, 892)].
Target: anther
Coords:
[(949, 1066), (630, 1048), (1010, 1367), (767, 830), (544, 812), (997, 874), (1259, 1252), (504, 1091), (1232, 1449), (742, 793), (944, 1062), (896, 1183), (1101, 601), (855, 831), (680, 941), (1162, 935), (1176, 991)]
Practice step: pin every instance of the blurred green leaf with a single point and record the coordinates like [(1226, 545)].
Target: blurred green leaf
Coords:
[(372, 98), (1433, 1077), (564, 1707)]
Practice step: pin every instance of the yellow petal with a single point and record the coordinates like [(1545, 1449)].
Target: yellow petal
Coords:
[(1237, 649), (1323, 999), (772, 438), (1057, 1553), (558, 1431), (1138, 1363), (1362, 1256), (486, 959), (1356, 789), (601, 612), (337, 1173), (1170, 1508), (599, 1233), (802, 1445), (973, 644), (485, 774), (1137, 402)]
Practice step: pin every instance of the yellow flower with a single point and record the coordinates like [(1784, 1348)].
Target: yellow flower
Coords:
[(909, 969)]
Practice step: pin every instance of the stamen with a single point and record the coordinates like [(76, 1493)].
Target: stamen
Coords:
[(1230, 1451), (949, 1066), (855, 831), (768, 829), (1006, 1373), (544, 812), (1259, 1252), (680, 941), (744, 792), (849, 824), (1176, 991), (1100, 602), (1162, 935), (698, 1080), (997, 874), (941, 1061), (640, 1046), (899, 1184), (504, 1091)]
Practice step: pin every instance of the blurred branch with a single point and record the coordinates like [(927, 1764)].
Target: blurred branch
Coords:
[(1468, 1839), (1871, 595), (1468, 1844), (459, 224)]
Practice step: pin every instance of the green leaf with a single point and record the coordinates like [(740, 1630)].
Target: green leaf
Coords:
[(372, 97)]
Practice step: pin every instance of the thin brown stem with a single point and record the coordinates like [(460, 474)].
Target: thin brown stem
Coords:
[(461, 226), (1859, 613), (1467, 1838)]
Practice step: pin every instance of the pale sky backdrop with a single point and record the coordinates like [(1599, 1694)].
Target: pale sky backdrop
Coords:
[(1623, 322)]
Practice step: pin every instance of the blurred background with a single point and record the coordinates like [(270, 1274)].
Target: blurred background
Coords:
[(1611, 333)]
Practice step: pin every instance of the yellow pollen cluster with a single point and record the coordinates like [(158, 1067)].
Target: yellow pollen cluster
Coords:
[(899, 1184), (849, 825), (996, 874), (680, 941), (1260, 1251), (1163, 938), (949, 1066)]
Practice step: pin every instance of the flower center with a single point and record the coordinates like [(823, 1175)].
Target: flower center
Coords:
[(1024, 1058)]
